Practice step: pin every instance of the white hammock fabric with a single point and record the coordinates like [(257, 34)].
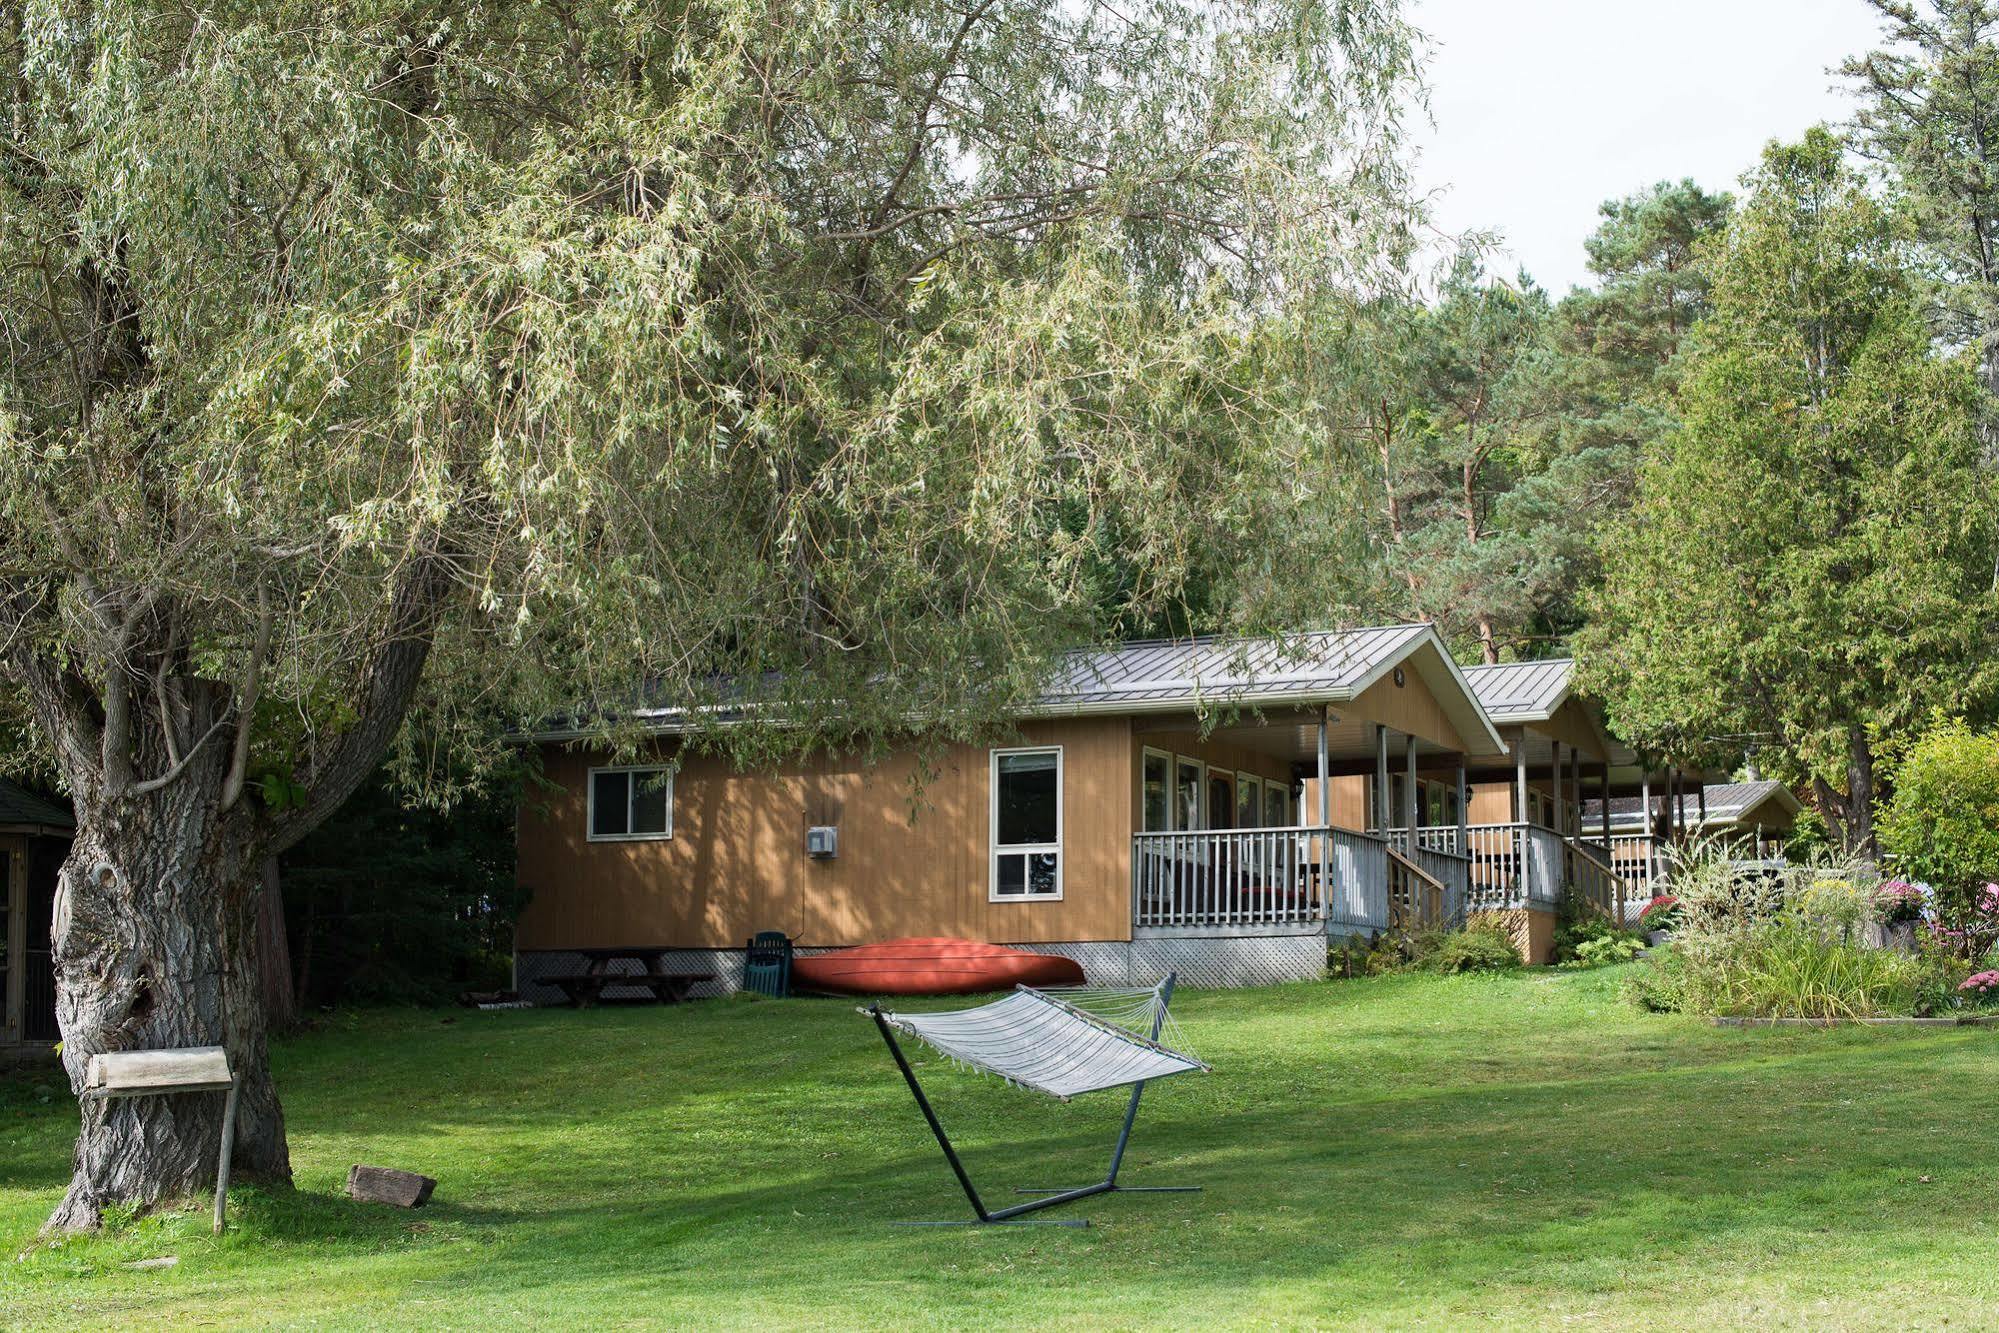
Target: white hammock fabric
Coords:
[(1036, 1040)]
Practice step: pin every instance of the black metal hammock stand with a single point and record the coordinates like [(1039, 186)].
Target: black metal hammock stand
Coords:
[(1039, 1040)]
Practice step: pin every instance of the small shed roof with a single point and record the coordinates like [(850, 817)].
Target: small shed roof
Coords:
[(1727, 803), (1522, 691), (20, 807)]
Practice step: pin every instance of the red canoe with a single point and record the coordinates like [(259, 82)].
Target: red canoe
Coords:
[(932, 967)]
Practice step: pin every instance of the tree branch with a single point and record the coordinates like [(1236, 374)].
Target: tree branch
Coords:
[(246, 702)]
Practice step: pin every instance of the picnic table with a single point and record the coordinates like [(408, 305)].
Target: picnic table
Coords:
[(586, 987)]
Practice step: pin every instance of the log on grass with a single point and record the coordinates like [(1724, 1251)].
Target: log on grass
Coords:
[(385, 1184)]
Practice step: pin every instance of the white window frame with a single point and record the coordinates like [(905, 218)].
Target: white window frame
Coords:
[(993, 848), (631, 791)]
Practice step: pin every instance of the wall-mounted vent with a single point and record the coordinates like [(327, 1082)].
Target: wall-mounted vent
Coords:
[(822, 842)]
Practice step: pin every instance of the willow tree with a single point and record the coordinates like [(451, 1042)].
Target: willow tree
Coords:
[(369, 360)]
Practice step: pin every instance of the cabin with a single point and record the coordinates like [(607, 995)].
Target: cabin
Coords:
[(1226, 808), (35, 835)]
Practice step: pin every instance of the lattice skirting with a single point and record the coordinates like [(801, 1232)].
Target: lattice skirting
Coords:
[(1206, 961)]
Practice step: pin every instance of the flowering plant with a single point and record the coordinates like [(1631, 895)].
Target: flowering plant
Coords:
[(1898, 901), (1983, 982), (1662, 913)]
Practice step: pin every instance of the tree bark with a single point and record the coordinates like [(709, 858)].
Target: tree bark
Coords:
[(274, 957), (1860, 795), (155, 947)]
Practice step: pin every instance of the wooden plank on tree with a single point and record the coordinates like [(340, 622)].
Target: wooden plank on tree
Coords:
[(131, 1073), (385, 1184)]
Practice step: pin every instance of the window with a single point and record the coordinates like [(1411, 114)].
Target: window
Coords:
[(1221, 800), (1248, 801), (1157, 797), (1187, 794), (1026, 824), (628, 803), (1276, 806)]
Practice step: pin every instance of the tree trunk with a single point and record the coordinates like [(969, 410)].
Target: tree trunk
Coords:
[(274, 955), (155, 947), (1860, 795)]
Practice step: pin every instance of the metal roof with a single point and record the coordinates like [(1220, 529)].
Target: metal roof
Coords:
[(1727, 802), (1522, 691), (1196, 674), (20, 806), (1216, 671), (1324, 667)]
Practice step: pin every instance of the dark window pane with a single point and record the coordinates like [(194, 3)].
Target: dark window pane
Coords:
[(1012, 881), (1221, 803), (1158, 800), (608, 804), (649, 803), (1041, 873), (1028, 793)]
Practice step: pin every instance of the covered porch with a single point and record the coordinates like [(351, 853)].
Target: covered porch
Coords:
[(1249, 827)]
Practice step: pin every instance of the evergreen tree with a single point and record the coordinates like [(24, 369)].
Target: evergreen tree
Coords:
[(1811, 555)]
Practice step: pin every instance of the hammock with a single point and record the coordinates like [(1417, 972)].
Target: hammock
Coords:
[(1061, 1044), (1035, 1040)]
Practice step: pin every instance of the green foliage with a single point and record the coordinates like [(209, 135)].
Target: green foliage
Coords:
[(1792, 947), (1476, 948), (1605, 950), (386, 903), (1941, 827), (1584, 937), (868, 353), (1928, 99), (1812, 550)]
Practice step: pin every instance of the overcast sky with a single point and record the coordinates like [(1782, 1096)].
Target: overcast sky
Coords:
[(1545, 108)]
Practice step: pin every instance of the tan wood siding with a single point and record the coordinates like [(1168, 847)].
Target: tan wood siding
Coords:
[(1409, 708), (911, 862)]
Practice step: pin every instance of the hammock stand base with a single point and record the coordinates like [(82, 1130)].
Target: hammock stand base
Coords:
[(1053, 1197)]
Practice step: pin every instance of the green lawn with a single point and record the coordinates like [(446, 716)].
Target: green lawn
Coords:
[(1410, 1150)]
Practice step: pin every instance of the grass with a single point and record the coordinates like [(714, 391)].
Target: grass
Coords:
[(1411, 1150)]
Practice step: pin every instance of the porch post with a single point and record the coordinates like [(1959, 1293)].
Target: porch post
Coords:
[(1645, 800), (1325, 772), (1604, 821), (1519, 776), (1325, 838), (1384, 809), (1411, 805), (1703, 801), (1575, 792), (1464, 815), (1555, 782)]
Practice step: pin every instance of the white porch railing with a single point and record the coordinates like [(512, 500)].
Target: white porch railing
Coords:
[(1269, 877), (1513, 865), (1644, 862), (1228, 877), (1593, 878)]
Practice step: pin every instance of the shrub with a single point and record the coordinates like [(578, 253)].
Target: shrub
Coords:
[(1899, 901), (1941, 826), (1481, 948), (1578, 924), (1662, 913), (1617, 947), (1788, 947)]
